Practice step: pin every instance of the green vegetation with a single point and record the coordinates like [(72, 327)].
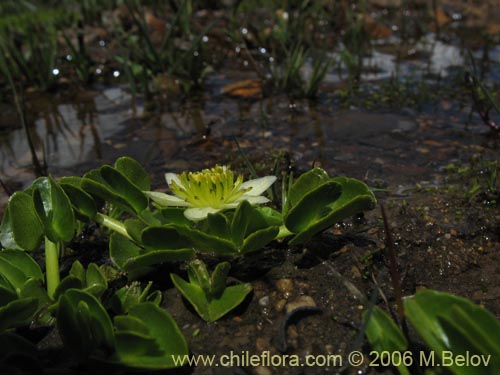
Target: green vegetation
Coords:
[(137, 332)]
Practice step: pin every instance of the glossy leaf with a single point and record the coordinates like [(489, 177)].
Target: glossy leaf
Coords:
[(307, 182), (134, 172), (54, 210), (82, 202), (125, 189), (21, 223), (326, 205), (448, 323), (94, 184)]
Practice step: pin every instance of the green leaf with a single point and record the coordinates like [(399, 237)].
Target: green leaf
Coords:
[(313, 208), (230, 298), (384, 335), (78, 271), (175, 215), (156, 257), (17, 313), (94, 184), (6, 234), (246, 220), (54, 210), (24, 262), (257, 240), (155, 349), (21, 223), (166, 237), (134, 228), (205, 242), (133, 294), (136, 261), (122, 249), (208, 294), (193, 294), (272, 217), (305, 184), (131, 169), (82, 202), (198, 275), (324, 206), (218, 279), (33, 288), (125, 189), (453, 326), (96, 282), (217, 225), (83, 323)]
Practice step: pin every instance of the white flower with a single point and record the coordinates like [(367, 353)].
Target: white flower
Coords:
[(210, 191)]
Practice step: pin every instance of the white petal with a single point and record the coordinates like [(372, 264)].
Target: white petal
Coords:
[(259, 199), (258, 185), (166, 199), (172, 177), (199, 213)]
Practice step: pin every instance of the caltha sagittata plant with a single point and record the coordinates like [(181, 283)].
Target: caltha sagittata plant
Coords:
[(210, 191)]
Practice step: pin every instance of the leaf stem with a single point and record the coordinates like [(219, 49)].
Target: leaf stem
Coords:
[(112, 224), (51, 266)]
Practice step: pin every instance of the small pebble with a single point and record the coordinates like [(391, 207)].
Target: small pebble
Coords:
[(300, 302), (285, 286), (264, 301)]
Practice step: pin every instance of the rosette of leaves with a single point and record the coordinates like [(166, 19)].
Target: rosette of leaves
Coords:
[(145, 338), (133, 294), (208, 293), (316, 201), (247, 229), (91, 280)]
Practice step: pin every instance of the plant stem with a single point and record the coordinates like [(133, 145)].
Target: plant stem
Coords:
[(284, 232), (51, 266), (112, 224)]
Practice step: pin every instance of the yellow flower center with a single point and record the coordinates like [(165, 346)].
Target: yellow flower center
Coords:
[(214, 187)]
